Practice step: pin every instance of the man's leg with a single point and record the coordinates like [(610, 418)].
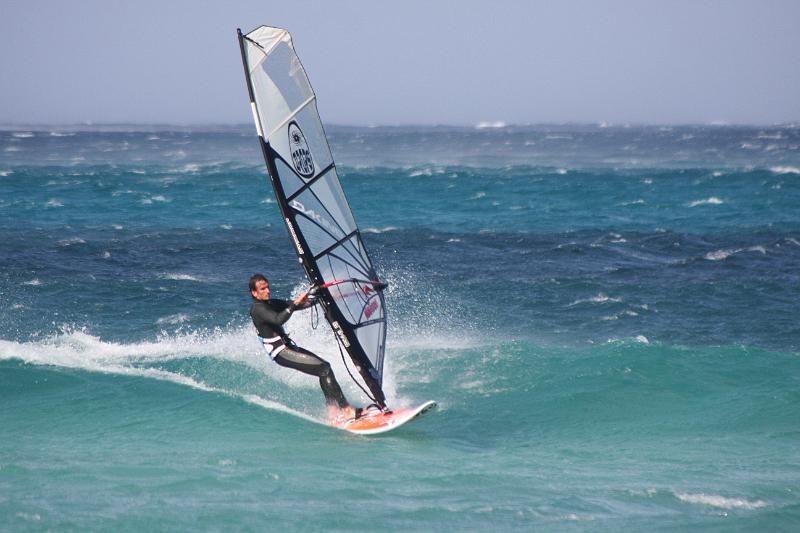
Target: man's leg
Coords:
[(307, 362)]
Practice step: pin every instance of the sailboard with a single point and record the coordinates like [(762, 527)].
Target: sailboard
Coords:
[(311, 200)]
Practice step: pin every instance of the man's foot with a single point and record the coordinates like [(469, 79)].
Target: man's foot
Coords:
[(337, 414)]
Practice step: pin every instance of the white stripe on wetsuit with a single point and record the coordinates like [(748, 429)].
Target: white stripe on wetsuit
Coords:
[(270, 348)]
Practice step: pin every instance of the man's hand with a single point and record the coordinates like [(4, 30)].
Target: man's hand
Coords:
[(300, 300)]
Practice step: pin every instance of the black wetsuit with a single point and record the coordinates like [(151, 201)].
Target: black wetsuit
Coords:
[(268, 318)]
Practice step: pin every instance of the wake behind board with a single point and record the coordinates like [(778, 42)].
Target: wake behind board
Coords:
[(383, 422)]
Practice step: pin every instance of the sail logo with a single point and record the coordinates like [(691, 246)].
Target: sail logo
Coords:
[(301, 155), (310, 213), (370, 309), (340, 333)]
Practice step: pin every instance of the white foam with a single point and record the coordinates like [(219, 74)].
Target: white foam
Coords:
[(53, 202), (490, 124), (722, 502), (34, 282), (423, 172), (177, 276), (785, 170), (5, 173), (77, 349), (380, 230), (173, 319), (71, 241), (477, 195), (600, 298), (22, 134), (719, 255), (708, 201)]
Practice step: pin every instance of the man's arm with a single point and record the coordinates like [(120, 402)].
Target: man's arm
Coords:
[(264, 314)]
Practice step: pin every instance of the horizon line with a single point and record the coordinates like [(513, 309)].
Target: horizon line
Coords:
[(488, 125)]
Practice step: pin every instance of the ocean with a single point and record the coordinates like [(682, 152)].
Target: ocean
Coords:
[(606, 316)]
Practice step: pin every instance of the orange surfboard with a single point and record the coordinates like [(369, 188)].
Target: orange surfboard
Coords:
[(381, 422)]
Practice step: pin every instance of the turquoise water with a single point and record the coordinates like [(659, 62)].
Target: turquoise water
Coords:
[(606, 316)]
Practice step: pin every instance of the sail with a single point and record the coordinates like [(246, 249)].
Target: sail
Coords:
[(320, 223)]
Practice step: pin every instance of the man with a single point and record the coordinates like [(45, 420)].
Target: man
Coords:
[(268, 316)]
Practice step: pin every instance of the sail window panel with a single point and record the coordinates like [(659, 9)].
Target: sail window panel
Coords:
[(316, 236), (350, 297), (281, 85), (372, 338), (290, 181), (329, 191), (309, 206), (348, 251)]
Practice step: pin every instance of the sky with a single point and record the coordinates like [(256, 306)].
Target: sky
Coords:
[(411, 62)]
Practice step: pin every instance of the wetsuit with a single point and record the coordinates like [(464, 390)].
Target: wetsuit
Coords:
[(268, 318)]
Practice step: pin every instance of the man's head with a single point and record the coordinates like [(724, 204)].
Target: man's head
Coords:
[(259, 287)]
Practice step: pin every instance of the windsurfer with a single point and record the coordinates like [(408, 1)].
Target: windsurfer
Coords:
[(268, 316)]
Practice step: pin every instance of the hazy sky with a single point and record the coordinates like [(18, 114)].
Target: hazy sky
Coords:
[(420, 62)]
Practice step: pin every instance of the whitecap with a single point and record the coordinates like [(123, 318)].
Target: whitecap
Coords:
[(785, 170), (642, 339), (708, 201), (478, 195), (71, 241), (380, 230), (719, 255), (34, 282), (600, 298), (423, 172), (22, 134), (634, 202), (173, 319), (267, 201), (226, 226), (490, 124), (722, 502), (4, 173), (176, 276)]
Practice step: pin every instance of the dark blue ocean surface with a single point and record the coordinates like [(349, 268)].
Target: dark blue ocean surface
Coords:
[(607, 317)]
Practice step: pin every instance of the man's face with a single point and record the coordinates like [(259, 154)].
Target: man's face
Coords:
[(262, 290)]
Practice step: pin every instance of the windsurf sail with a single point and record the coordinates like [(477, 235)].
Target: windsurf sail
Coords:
[(313, 205)]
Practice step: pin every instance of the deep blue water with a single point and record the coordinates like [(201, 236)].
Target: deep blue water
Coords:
[(607, 317)]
